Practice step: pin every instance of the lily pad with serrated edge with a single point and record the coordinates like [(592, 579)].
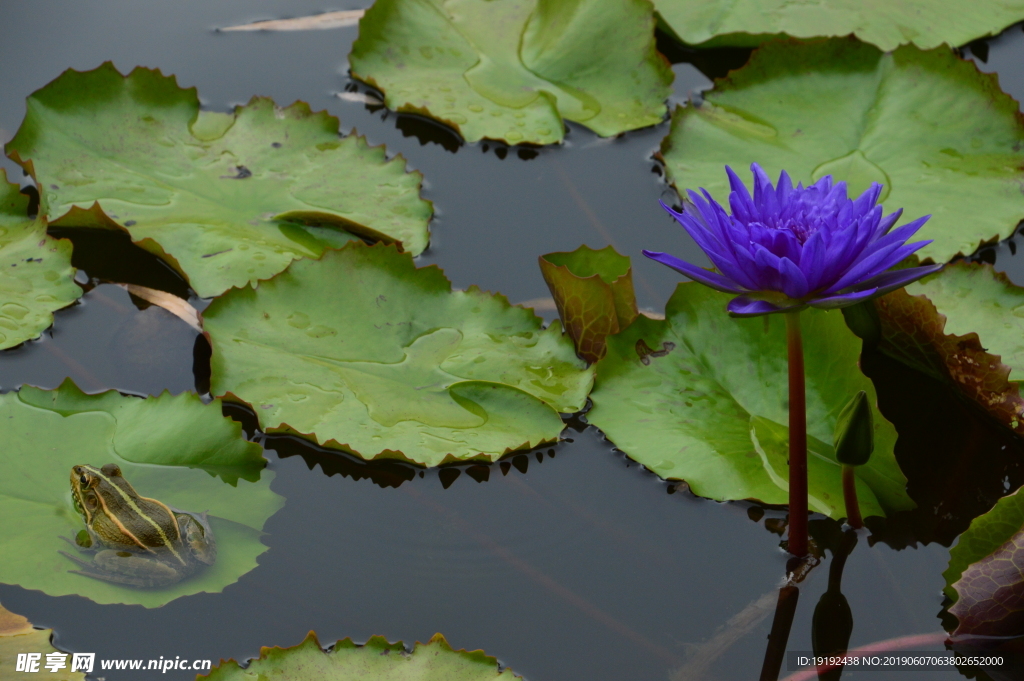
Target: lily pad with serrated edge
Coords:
[(172, 448), (984, 578), (363, 351), (941, 137), (701, 397), (961, 326), (512, 70), (226, 199), (974, 297), (375, 660), (36, 276), (924, 23)]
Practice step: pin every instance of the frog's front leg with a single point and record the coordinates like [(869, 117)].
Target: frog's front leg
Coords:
[(122, 567)]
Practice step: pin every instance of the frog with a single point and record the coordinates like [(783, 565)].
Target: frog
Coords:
[(134, 540)]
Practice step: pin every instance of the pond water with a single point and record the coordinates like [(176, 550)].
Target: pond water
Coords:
[(568, 562)]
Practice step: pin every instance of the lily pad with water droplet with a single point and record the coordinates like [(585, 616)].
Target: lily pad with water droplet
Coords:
[(510, 70), (36, 276), (364, 352), (375, 660), (226, 199), (701, 397), (924, 23), (942, 137), (172, 448)]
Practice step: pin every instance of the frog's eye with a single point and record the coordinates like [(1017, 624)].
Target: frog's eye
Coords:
[(82, 479), (112, 470)]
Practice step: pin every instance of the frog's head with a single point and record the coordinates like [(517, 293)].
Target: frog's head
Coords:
[(87, 488)]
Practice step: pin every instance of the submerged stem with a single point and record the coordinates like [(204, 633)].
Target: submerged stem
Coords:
[(797, 438), (850, 495)]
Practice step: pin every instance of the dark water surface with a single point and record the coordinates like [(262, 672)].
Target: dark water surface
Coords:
[(566, 563)]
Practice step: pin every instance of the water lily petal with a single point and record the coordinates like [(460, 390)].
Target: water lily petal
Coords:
[(742, 306), (769, 269), (901, 233), (866, 201), (794, 283), (706, 277), (739, 200), (890, 281), (864, 269), (842, 300)]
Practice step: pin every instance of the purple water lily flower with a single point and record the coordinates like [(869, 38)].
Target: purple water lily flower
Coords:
[(792, 247)]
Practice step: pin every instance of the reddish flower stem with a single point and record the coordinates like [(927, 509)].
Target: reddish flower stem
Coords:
[(850, 495), (797, 438)]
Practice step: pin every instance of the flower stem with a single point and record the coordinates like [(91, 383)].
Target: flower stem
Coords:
[(797, 438), (850, 495)]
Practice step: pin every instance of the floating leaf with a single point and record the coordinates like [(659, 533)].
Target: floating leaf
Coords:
[(169, 447), (227, 199), (179, 307), (984, 576), (974, 297), (315, 22), (511, 70), (709, 410), (593, 290), (36, 276), (18, 636), (918, 332), (941, 137), (925, 23), (376, 660), (364, 352)]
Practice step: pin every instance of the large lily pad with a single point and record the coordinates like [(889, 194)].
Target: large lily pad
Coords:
[(709, 404), (961, 327), (36, 276), (171, 448), (364, 352), (513, 69), (375, 660), (941, 136), (984, 576), (925, 23), (225, 199)]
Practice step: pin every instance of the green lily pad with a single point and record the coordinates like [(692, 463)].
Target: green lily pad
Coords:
[(960, 327), (36, 276), (984, 577), (170, 448), (941, 136), (512, 71), (925, 23), (375, 660), (227, 199), (593, 290), (701, 397), (974, 298), (364, 352)]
